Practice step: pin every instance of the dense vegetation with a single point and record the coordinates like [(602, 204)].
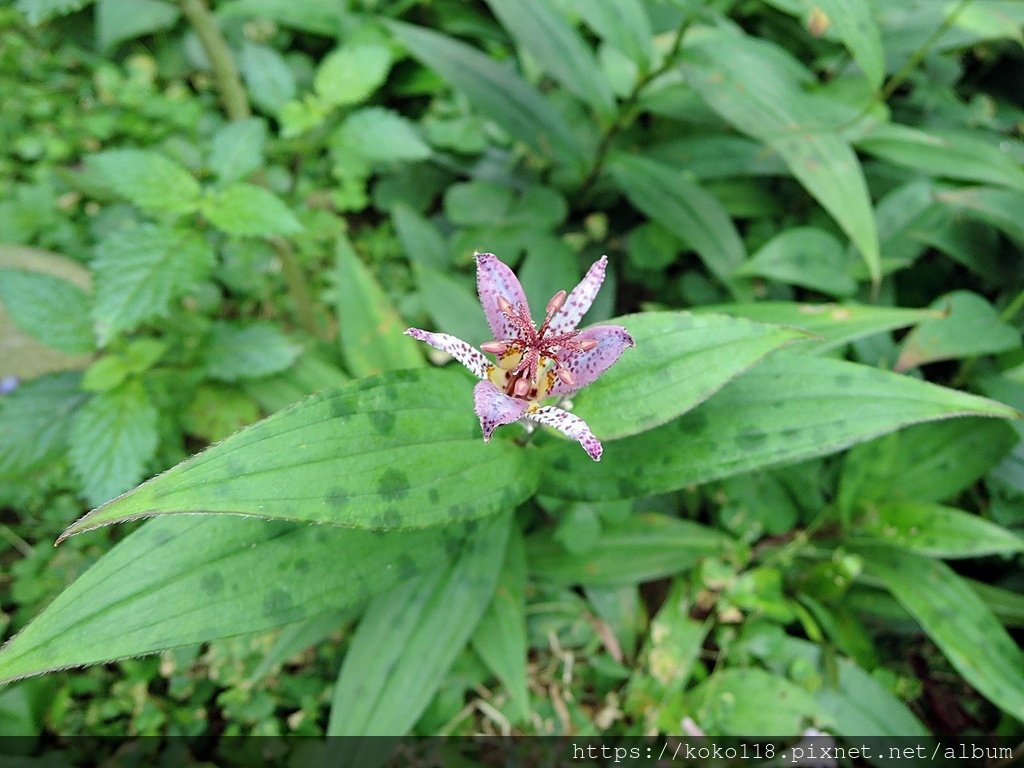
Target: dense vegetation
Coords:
[(810, 507)]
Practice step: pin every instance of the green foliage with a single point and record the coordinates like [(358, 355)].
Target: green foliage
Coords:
[(811, 212)]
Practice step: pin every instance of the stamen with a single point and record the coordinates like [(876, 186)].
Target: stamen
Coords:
[(587, 344), (566, 375), (504, 305), (556, 302), (522, 388), (495, 347)]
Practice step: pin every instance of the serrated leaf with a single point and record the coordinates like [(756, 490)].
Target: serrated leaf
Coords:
[(237, 149), (409, 637), (539, 28), (147, 179), (805, 256), (757, 88), (680, 360), (402, 450), (971, 328), (121, 20), (351, 72), (935, 530), (248, 351), (496, 91), (831, 325), (139, 271), (966, 631), (113, 438), (685, 209), (383, 135), (268, 78), (49, 308), (371, 331), (35, 420), (500, 637), (643, 548), (245, 209), (788, 408), (188, 580)]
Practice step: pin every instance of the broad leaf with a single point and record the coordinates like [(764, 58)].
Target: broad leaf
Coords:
[(147, 179), (410, 636), (352, 72), (38, 11), (313, 16), (973, 640), (753, 702), (53, 310), (383, 135), (250, 351), (371, 331), (643, 548), (402, 450), (191, 579), (496, 91), (998, 207), (805, 256), (623, 24), (269, 79), (680, 360), (237, 149), (121, 20), (786, 409), (753, 85), (245, 209), (35, 421)]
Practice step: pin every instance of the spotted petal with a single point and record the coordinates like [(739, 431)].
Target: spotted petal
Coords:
[(571, 425), (494, 279), (494, 408), (585, 367), (578, 302), (469, 356)]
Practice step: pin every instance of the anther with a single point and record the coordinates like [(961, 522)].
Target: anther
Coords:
[(522, 388), (566, 375), (556, 302), (495, 347), (504, 305), (587, 344)]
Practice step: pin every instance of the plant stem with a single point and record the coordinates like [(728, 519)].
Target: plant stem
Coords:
[(298, 288), (229, 84)]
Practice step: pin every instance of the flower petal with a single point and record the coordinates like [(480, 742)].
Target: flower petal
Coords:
[(571, 425), (578, 302), (469, 356), (494, 407), (587, 366), (494, 279)]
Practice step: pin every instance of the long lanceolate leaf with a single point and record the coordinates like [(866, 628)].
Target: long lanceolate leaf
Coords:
[(400, 450), (187, 580), (745, 81), (787, 409), (495, 90)]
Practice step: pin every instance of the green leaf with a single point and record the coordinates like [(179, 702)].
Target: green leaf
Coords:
[(49, 308), (787, 409), (832, 325), (421, 241), (998, 207), (268, 78), (972, 327), (945, 154), (245, 209), (351, 72), (685, 209), (38, 11), (538, 27), (147, 179), (402, 450), (311, 373), (139, 271), (928, 462), (623, 24), (371, 331), (409, 637), (247, 351), (753, 702), (496, 91), (383, 135), (216, 411), (179, 581), (35, 421), (757, 88), (680, 360), (121, 20), (311, 16), (500, 637), (973, 640), (113, 438), (931, 529), (643, 548), (237, 149), (804, 256)]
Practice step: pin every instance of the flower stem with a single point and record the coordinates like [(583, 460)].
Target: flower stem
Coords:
[(232, 92)]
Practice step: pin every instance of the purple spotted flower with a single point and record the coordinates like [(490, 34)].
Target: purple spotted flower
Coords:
[(554, 360)]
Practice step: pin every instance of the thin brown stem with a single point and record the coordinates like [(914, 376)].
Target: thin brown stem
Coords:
[(229, 84)]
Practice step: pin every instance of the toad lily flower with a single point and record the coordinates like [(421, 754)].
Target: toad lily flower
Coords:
[(534, 363)]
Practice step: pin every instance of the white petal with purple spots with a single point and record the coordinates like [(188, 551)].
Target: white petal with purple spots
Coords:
[(578, 302), (494, 408), (570, 425), (469, 356), (493, 280), (587, 366)]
